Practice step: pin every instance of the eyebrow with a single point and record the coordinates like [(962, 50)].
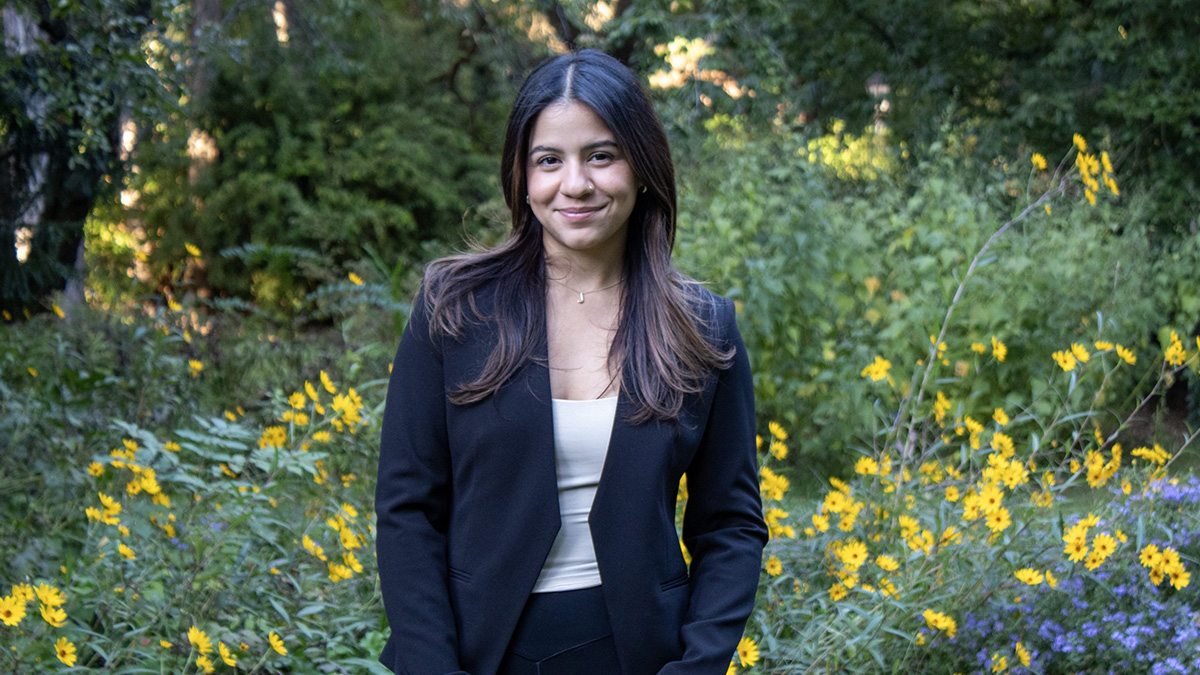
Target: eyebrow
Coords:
[(590, 146)]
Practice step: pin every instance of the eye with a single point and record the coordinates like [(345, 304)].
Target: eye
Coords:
[(546, 161), (602, 157)]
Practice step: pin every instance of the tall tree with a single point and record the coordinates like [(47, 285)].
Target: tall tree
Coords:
[(69, 73)]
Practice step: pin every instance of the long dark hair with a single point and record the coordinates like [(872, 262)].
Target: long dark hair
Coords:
[(663, 347)]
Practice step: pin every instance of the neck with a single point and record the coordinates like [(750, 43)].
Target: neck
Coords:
[(583, 271)]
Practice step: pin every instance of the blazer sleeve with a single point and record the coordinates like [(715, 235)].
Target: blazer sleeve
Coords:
[(723, 525), (412, 507)]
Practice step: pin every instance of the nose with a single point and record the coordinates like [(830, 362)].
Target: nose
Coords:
[(576, 182)]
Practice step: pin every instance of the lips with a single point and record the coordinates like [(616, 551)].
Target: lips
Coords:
[(578, 213)]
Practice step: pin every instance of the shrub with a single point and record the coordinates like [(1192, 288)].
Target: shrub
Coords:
[(828, 273)]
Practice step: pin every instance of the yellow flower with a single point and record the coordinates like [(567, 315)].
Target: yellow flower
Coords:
[(1076, 548), (938, 621), (297, 401), (1078, 351), (778, 450), (312, 547), (1039, 161), (877, 369), (226, 655), (941, 406), (1126, 355), (205, 664), (49, 595), (352, 562), (1180, 579), (355, 279), (1175, 354), (1065, 360), (1102, 345), (732, 669), (866, 466), (887, 563), (747, 652), (199, 639), (774, 566), (999, 520), (1080, 144), (12, 610), (1029, 576), (125, 551), (192, 249), (1051, 580), (24, 592), (277, 643), (821, 522), (58, 311), (772, 485), (1104, 544), (1150, 556), (165, 644), (978, 348), (195, 367), (999, 349), (55, 616), (853, 554), (1090, 197), (777, 431), (999, 663), (952, 493), (1000, 416), (95, 469), (991, 498), (327, 383), (65, 651), (273, 437), (1003, 444)]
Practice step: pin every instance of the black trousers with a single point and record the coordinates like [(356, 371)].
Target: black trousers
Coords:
[(562, 633)]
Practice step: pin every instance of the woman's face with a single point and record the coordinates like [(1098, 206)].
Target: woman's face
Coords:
[(581, 186)]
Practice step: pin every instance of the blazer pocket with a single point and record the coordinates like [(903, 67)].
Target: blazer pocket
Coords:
[(459, 575), (678, 581)]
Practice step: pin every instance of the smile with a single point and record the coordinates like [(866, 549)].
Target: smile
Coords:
[(578, 213)]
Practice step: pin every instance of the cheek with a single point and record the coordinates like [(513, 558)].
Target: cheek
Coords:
[(540, 187)]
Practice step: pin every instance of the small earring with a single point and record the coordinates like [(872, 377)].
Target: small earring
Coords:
[(591, 188), (643, 189), (526, 199)]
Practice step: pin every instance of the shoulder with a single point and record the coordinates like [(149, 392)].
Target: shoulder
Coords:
[(713, 314), (454, 295)]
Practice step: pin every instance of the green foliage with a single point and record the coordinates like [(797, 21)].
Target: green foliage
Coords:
[(960, 543), (64, 90), (831, 273), (339, 141), (1027, 73), (95, 404)]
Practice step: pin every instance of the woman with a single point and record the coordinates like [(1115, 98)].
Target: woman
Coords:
[(546, 398)]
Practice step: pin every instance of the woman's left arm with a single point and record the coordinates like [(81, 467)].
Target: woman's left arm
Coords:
[(723, 525)]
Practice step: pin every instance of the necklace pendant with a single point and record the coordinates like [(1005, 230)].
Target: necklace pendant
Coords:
[(581, 297)]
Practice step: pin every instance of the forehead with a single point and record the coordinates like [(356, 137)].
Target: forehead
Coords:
[(568, 125)]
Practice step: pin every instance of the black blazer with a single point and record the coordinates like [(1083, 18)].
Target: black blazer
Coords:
[(467, 508)]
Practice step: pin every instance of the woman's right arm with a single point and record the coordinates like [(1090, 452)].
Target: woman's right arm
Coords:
[(412, 505)]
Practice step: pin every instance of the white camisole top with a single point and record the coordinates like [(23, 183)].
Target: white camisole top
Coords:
[(581, 433)]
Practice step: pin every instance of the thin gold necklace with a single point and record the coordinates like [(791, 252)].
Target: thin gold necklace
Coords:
[(585, 293)]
